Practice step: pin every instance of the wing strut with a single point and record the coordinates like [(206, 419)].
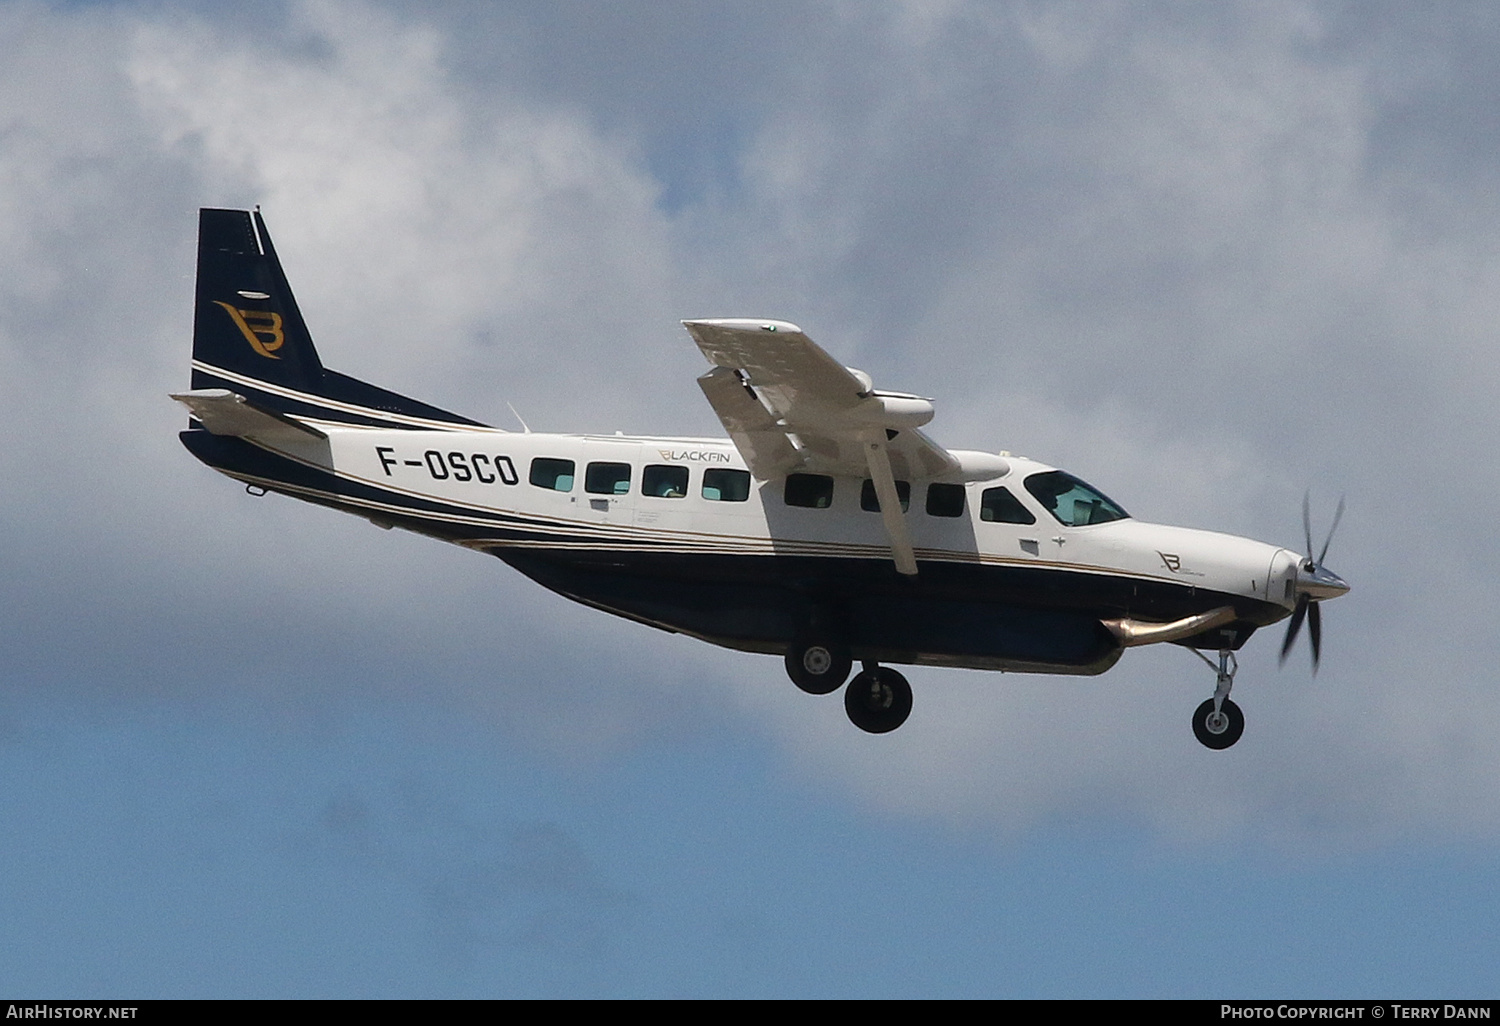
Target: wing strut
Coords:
[(890, 502)]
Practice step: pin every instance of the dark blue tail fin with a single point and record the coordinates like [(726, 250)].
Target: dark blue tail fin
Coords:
[(249, 336)]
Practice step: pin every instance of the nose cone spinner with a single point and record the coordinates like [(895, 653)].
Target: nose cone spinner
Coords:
[(1319, 583)]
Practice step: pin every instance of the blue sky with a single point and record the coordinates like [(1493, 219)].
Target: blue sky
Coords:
[(1207, 257)]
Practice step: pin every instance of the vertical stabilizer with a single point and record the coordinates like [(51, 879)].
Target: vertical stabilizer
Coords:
[(246, 320)]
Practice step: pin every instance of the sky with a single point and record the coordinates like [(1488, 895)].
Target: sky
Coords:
[(1209, 257)]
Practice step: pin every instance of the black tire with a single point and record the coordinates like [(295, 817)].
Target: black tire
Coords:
[(878, 701), (818, 665), (1227, 734)]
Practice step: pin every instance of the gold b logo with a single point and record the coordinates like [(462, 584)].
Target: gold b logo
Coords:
[(261, 328)]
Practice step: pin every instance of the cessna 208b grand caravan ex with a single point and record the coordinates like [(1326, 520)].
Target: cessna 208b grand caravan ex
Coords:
[(827, 529)]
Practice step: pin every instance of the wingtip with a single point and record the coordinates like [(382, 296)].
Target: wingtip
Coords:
[(756, 324)]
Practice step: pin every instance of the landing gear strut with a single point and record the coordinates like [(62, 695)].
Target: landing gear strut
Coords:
[(878, 699), (1218, 722)]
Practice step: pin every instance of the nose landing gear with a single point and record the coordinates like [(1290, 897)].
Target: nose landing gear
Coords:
[(1218, 722), (1218, 729)]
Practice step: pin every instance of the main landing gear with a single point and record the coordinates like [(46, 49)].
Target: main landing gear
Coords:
[(878, 699), (818, 665), (1218, 722)]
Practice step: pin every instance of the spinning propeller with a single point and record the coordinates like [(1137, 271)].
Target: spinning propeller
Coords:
[(1314, 584)]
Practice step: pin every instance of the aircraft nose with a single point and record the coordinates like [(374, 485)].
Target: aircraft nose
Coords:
[(1319, 583)]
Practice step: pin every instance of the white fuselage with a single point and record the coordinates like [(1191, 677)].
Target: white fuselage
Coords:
[(476, 474)]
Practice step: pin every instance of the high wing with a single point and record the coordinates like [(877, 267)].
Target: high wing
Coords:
[(790, 407), (802, 409)]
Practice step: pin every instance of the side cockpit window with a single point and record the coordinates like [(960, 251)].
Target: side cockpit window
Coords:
[(1072, 502), (553, 474), (998, 506)]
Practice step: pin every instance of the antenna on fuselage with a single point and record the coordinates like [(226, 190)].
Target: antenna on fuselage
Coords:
[(512, 409)]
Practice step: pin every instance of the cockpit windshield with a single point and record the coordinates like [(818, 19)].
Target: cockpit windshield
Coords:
[(1070, 501)]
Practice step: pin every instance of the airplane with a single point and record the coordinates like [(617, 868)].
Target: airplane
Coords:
[(828, 528)]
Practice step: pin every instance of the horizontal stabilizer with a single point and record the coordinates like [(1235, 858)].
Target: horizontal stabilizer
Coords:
[(224, 412)]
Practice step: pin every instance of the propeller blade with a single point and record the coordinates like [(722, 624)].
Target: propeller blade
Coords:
[(1337, 515), (1294, 626), (1315, 633), (1307, 521), (1321, 583)]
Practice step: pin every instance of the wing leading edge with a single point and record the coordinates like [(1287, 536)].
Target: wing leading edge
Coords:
[(789, 407)]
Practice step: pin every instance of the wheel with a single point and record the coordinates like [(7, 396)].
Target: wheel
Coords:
[(1218, 732), (818, 665), (878, 701)]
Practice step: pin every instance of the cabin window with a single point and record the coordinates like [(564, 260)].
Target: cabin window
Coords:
[(998, 506), (815, 491), (945, 500), (726, 485), (870, 502), (607, 478), (547, 472), (664, 482), (1072, 502)]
